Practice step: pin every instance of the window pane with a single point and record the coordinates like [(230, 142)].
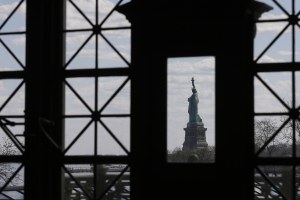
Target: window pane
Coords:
[(273, 91), (273, 182), (11, 181), (96, 37), (273, 136), (110, 181), (97, 120)]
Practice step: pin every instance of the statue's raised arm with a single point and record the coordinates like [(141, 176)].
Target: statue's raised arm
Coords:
[(193, 105), (193, 84)]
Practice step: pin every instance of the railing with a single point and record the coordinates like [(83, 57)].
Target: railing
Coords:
[(275, 186), (11, 192), (80, 185), (109, 185)]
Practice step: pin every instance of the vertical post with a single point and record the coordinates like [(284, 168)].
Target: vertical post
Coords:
[(44, 98), (34, 58), (235, 146)]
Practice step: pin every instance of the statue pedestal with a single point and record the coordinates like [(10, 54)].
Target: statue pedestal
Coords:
[(195, 137)]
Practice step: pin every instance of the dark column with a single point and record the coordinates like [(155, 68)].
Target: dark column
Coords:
[(234, 136), (44, 103)]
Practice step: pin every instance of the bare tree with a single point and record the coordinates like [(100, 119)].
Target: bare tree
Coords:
[(279, 145), (7, 169), (200, 155)]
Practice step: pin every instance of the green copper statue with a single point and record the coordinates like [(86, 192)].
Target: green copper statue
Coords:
[(193, 106)]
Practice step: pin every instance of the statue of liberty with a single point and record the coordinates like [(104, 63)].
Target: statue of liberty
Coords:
[(193, 106)]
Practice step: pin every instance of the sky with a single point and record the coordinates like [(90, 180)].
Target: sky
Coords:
[(180, 72)]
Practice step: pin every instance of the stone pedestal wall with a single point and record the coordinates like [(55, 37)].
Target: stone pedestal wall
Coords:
[(195, 136)]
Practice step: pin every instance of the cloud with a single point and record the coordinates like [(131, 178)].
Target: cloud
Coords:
[(76, 39), (5, 9), (271, 27), (105, 52), (117, 34), (104, 55), (270, 15), (116, 20), (19, 41), (16, 105), (1, 86), (206, 63), (267, 103), (269, 59), (287, 53), (17, 21), (187, 64), (280, 82), (106, 87), (74, 20)]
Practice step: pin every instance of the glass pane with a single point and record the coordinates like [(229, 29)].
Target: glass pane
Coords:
[(272, 137), (87, 8), (80, 50), (97, 43), (12, 52), (79, 136), (113, 136), (297, 88), (76, 20), (279, 32), (191, 109), (11, 181), (78, 181), (114, 49), (280, 50), (297, 43), (115, 19), (112, 181), (277, 12), (273, 182), (9, 144), (297, 176), (120, 103), (79, 95), (17, 21), (12, 45), (101, 127), (267, 86), (297, 132)]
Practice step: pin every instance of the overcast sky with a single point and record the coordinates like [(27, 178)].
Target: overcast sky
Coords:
[(180, 72)]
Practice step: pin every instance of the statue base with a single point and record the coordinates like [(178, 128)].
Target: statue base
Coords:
[(195, 137)]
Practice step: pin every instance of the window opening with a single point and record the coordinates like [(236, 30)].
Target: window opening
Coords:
[(191, 109)]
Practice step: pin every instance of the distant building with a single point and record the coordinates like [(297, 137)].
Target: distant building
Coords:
[(195, 132)]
